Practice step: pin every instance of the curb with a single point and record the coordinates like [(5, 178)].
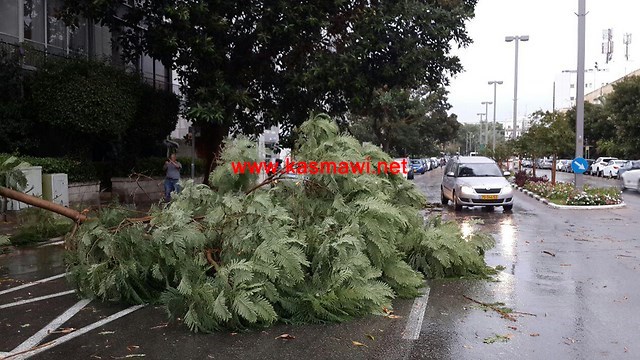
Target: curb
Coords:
[(568, 207)]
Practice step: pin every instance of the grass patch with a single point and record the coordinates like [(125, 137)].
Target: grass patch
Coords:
[(36, 225)]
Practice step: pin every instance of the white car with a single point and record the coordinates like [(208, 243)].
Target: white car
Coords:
[(611, 170), (631, 180), (599, 164), (561, 164)]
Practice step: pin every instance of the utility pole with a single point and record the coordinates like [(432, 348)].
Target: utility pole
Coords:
[(481, 130), (517, 40), (582, 14), (554, 97), (607, 44), (486, 121), (495, 84), (626, 41)]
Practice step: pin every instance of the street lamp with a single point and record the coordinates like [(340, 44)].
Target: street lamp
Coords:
[(494, 83), (480, 140), (486, 111), (517, 40)]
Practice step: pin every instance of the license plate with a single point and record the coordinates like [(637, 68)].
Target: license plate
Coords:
[(489, 197)]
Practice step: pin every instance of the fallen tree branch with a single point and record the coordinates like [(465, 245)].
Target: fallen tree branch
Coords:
[(43, 204), (492, 307)]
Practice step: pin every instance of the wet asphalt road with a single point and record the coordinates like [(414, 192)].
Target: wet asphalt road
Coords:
[(581, 300)]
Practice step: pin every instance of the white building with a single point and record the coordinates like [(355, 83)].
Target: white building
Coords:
[(523, 124)]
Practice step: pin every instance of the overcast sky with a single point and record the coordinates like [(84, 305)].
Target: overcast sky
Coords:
[(553, 29)]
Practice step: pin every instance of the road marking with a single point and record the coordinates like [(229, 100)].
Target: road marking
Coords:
[(75, 334), (52, 326), (27, 301), (23, 286), (414, 324)]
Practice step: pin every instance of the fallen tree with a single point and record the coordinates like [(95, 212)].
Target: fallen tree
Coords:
[(323, 248)]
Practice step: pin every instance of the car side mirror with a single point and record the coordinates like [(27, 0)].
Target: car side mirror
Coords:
[(451, 174), (506, 174)]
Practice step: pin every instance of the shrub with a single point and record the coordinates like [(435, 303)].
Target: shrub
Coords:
[(87, 98), (77, 170), (37, 225)]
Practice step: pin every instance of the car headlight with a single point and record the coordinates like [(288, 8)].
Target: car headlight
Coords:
[(506, 190), (467, 190)]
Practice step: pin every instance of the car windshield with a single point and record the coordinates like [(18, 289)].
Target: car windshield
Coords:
[(416, 162), (479, 170), (619, 162)]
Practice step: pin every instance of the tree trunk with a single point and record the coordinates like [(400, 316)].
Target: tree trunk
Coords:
[(533, 164), (43, 204), (209, 144), (553, 170)]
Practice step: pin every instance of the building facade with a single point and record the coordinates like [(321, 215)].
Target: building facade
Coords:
[(33, 27)]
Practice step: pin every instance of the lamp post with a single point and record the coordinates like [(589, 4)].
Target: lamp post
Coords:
[(517, 40), (495, 83), (481, 129), (486, 111), (582, 14)]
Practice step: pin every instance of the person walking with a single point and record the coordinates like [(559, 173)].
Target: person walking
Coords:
[(172, 177)]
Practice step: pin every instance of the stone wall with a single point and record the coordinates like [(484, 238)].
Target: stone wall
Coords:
[(84, 194)]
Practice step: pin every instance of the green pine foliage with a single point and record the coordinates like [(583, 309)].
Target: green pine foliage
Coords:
[(236, 255)]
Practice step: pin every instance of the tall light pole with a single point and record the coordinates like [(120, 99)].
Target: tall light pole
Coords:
[(582, 14), (486, 120), (495, 83), (517, 40), (481, 129)]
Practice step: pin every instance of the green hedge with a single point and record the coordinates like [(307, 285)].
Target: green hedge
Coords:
[(77, 170)]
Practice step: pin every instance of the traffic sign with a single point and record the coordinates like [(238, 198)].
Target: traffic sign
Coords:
[(579, 165)]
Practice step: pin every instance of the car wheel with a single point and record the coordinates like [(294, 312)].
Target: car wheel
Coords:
[(410, 176), (443, 199), (507, 207), (456, 206), (600, 173)]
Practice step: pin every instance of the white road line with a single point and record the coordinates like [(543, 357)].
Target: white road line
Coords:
[(414, 324), (27, 301), (23, 286), (52, 326), (70, 336)]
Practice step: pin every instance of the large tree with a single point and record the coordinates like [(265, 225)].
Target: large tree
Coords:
[(408, 123), (247, 65), (599, 126), (624, 107)]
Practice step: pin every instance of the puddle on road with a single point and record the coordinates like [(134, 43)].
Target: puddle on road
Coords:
[(32, 263)]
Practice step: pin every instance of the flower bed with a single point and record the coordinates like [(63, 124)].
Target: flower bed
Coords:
[(566, 194)]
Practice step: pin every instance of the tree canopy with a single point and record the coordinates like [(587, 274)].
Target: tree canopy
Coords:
[(247, 65)]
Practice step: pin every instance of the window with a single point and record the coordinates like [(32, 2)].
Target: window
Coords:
[(9, 17), (102, 41), (572, 86), (56, 30), (479, 170), (78, 38), (34, 20)]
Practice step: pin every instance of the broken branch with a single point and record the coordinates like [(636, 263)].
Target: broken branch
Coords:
[(492, 307)]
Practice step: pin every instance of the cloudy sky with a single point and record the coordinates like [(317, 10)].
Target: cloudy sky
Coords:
[(553, 29)]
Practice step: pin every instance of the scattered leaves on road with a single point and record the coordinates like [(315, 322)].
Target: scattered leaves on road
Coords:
[(286, 337), (356, 343), (164, 325), (106, 333), (25, 325), (534, 334), (565, 264), (133, 347), (371, 337), (548, 253), (514, 328), (497, 338)]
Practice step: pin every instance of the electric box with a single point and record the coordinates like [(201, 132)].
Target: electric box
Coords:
[(55, 188), (34, 186)]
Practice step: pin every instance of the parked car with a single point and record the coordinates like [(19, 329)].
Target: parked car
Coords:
[(631, 179), (527, 163), (611, 170), (409, 170), (475, 181), (589, 164), (418, 166), (562, 164), (427, 164), (545, 164), (630, 165), (598, 165)]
